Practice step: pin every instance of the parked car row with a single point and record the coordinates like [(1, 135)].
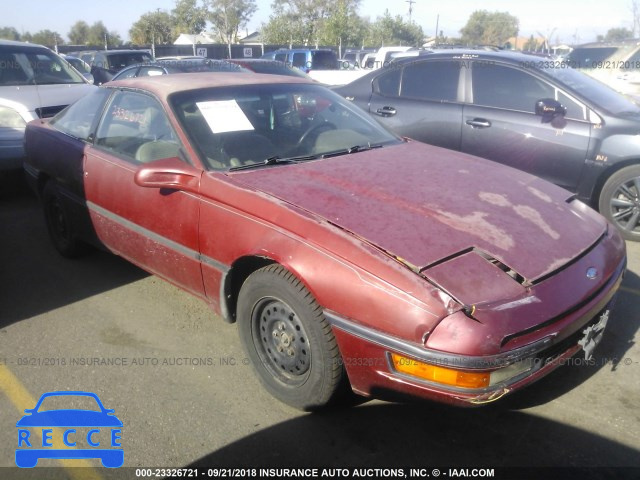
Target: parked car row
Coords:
[(347, 254)]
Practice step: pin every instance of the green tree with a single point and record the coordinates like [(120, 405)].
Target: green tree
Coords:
[(9, 33), (48, 38), (152, 28), (98, 34), (388, 30), (297, 21), (188, 17), (79, 33), (618, 34), (489, 28), (229, 16), (279, 30), (342, 26)]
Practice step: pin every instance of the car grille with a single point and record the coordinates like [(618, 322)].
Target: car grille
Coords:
[(46, 112)]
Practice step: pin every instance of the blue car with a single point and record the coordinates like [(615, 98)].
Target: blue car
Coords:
[(97, 420)]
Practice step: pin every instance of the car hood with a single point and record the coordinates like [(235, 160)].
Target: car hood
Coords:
[(69, 418), (26, 98), (426, 205)]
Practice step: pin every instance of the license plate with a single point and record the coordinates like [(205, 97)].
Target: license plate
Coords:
[(593, 335)]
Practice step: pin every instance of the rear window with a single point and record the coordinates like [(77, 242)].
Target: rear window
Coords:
[(589, 57), (324, 60), (120, 60)]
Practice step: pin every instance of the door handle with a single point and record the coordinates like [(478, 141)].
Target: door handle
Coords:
[(386, 111), (479, 123)]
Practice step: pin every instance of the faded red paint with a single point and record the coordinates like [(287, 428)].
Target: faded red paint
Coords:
[(399, 240)]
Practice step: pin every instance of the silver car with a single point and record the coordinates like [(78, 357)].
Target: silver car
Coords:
[(34, 83)]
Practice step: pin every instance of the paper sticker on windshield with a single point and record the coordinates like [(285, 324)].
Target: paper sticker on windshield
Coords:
[(224, 116)]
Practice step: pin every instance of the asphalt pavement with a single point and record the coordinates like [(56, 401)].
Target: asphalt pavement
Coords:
[(177, 378)]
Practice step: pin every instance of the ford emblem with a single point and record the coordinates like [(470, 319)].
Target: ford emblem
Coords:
[(592, 273)]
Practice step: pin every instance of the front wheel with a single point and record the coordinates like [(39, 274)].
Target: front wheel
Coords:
[(288, 339), (620, 201)]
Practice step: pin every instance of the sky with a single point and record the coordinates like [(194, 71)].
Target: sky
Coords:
[(564, 21)]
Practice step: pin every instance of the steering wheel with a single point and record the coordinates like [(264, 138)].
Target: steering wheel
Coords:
[(313, 131)]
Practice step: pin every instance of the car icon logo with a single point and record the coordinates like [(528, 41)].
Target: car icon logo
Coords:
[(592, 273), (89, 432)]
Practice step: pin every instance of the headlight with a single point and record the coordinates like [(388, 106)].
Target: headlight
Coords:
[(9, 118)]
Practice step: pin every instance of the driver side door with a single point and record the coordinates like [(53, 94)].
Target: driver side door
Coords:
[(499, 123), (155, 228)]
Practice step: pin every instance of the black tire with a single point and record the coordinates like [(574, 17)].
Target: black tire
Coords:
[(620, 201), (59, 223), (288, 339)]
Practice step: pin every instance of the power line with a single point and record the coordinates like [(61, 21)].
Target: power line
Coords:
[(410, 2)]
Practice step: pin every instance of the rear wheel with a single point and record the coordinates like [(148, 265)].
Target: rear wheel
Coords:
[(288, 339), (59, 223), (620, 201)]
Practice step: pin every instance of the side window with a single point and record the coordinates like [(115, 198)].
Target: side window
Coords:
[(505, 87), (299, 59), (79, 119), (431, 81), (388, 83), (281, 57), (136, 128)]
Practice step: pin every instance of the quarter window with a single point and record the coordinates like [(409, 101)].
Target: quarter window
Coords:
[(136, 128), (79, 118)]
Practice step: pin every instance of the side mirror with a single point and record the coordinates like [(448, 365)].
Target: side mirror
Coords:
[(548, 109), (170, 173)]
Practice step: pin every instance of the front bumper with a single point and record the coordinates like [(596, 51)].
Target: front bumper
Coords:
[(366, 355)]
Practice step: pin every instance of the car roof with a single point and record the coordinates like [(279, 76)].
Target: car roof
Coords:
[(13, 43), (165, 85), (120, 52), (469, 54)]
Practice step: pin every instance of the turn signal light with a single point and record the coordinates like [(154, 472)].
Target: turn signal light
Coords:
[(438, 374)]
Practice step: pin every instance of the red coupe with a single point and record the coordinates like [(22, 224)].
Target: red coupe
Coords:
[(345, 254)]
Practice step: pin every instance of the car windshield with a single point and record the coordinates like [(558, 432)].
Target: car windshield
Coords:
[(252, 125), (67, 402), (35, 66), (595, 91)]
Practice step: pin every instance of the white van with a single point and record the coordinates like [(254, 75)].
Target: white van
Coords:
[(34, 83)]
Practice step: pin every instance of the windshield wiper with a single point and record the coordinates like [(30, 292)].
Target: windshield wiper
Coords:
[(350, 150), (275, 160)]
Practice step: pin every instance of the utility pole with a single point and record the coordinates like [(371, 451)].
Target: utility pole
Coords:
[(410, 2)]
